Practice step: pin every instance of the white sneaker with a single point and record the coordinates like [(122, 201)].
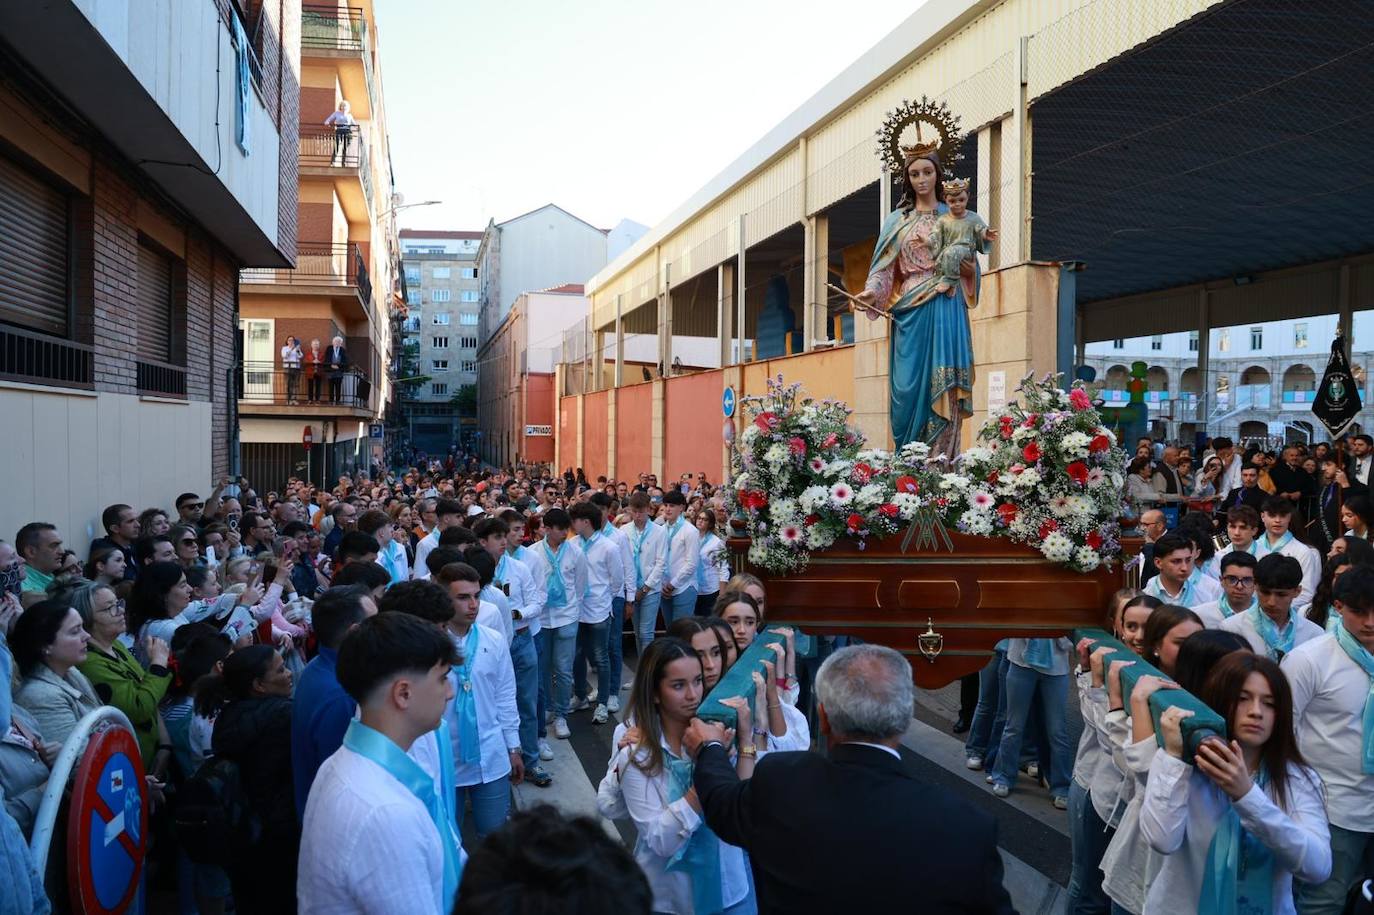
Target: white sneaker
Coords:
[(1001, 790), (599, 716), (593, 694), (578, 705), (560, 728), (613, 704), (545, 751), (974, 762), (988, 778)]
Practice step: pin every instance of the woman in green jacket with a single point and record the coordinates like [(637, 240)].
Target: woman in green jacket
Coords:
[(118, 678)]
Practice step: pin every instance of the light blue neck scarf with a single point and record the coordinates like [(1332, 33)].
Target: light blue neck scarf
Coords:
[(1040, 653), (1361, 656), (1263, 542), (1277, 642), (501, 568), (557, 588), (379, 748), (465, 702), (1224, 605), (636, 545), (1238, 878), (704, 568), (699, 858), (586, 544), (671, 532)]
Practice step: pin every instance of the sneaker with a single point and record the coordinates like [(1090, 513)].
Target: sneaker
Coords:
[(989, 778), (538, 777), (593, 695), (613, 704), (1033, 770), (599, 716), (1001, 790), (974, 762), (578, 705), (545, 751), (1061, 803), (624, 687), (560, 728)]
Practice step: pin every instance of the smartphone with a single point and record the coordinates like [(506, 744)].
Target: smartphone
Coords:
[(233, 522)]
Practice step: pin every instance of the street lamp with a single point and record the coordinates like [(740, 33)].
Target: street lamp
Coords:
[(396, 198)]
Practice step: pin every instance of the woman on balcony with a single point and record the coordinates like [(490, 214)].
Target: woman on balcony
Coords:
[(291, 361), (312, 371)]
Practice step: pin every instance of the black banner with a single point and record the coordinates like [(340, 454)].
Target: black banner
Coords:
[(1338, 396)]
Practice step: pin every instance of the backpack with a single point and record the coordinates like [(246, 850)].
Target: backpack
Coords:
[(212, 818)]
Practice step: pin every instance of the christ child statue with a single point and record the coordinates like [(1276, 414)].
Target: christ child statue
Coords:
[(957, 234)]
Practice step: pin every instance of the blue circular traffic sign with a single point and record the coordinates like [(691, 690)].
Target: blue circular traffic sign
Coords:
[(727, 402), (107, 835)]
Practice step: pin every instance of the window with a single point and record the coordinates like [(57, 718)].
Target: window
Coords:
[(153, 308), (441, 365), (412, 274), (468, 273), (468, 343), (34, 233), (442, 320), (469, 365), (438, 389), (413, 297), (1157, 342), (1256, 338), (440, 295), (440, 273), (439, 342), (469, 318), (1118, 343), (438, 250), (1192, 341), (469, 295), (1300, 336), (1224, 341)]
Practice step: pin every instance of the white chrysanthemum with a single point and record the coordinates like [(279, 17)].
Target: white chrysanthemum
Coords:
[(757, 554), (813, 497), (1087, 558), (872, 494), (1082, 506), (977, 455), (1060, 506), (1023, 434), (1117, 481), (841, 494), (818, 538), (1057, 548), (839, 467), (915, 452), (953, 481), (977, 522), (782, 510), (1028, 478), (1075, 444), (750, 433), (776, 455), (1022, 527), (907, 504)]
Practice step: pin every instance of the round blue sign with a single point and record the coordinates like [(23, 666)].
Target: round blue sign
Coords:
[(727, 402), (107, 836)]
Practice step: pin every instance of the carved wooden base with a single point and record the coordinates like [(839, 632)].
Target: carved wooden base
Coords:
[(964, 601)]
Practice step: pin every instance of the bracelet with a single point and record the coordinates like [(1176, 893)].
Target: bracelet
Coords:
[(759, 732), (773, 705), (748, 751)]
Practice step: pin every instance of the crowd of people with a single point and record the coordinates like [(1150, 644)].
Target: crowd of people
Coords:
[(319, 677)]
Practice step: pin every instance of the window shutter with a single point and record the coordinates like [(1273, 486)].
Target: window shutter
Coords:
[(154, 306), (33, 249)]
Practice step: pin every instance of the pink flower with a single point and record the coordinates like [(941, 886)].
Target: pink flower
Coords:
[(862, 473), (908, 484), (790, 534), (797, 445), (887, 510), (1079, 399)]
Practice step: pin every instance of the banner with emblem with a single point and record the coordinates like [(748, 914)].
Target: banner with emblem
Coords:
[(1337, 401)]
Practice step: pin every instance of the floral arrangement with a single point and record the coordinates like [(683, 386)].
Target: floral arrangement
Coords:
[(1045, 472)]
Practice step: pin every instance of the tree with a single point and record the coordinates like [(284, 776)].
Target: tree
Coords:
[(465, 400)]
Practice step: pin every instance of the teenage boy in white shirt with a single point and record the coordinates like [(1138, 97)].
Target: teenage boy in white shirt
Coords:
[(1277, 538), (647, 555), (610, 694), (1332, 678), (605, 578), (683, 552), (1272, 627), (448, 513), (1175, 583), (1238, 590), (1242, 527), (562, 569), (370, 798)]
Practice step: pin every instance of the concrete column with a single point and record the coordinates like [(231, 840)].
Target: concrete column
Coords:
[(665, 323), (598, 360), (742, 273), (725, 311), (985, 184), (816, 274), (1015, 211), (619, 342), (1204, 347), (658, 427)]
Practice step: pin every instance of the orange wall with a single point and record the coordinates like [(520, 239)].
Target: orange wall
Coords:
[(634, 413), (539, 411), (567, 434), (692, 443), (828, 373), (594, 442)]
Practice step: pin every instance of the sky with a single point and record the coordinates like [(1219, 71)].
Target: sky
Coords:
[(609, 108)]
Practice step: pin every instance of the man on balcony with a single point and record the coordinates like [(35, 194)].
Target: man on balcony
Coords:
[(343, 123), (336, 359)]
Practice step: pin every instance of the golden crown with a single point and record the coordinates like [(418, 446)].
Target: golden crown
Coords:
[(896, 148), (955, 186)]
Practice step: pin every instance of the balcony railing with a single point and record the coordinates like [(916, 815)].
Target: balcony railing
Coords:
[(41, 359), (160, 378), (337, 147), (333, 28), (320, 265), (267, 384)]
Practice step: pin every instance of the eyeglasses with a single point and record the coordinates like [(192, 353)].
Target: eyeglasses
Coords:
[(187, 540), (115, 609), (1231, 581), (192, 504)]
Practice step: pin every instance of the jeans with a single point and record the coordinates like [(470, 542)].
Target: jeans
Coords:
[(986, 729), (490, 805), (646, 618), (1352, 860), (556, 648), (1050, 695), (525, 659), (615, 638), (1089, 836), (591, 646), (680, 604)]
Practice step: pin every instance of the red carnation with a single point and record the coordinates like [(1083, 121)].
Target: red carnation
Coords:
[(908, 484), (1007, 511), (754, 500), (1079, 399), (862, 473), (855, 521), (887, 509), (766, 421), (796, 444), (993, 478), (1094, 540), (1005, 425), (1031, 453), (1099, 444), (811, 520), (1049, 527), (1078, 472)]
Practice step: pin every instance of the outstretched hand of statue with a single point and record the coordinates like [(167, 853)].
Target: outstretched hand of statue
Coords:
[(867, 302)]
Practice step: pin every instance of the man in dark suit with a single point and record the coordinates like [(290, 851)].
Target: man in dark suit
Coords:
[(1357, 468), (336, 358), (1247, 493), (855, 831)]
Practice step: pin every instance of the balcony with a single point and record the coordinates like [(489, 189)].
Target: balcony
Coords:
[(340, 153), (340, 34), (335, 270), (264, 388)]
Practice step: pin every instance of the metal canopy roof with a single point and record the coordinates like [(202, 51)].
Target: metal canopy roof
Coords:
[(1240, 141)]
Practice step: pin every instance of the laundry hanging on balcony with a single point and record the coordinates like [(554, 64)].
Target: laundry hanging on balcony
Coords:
[(245, 79), (1338, 396)]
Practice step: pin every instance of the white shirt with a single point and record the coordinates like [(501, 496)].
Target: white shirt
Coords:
[(663, 829), (490, 615), (715, 563), (649, 572), (1129, 865), (1214, 564), (357, 819), (1213, 615), (1308, 558), (1180, 815), (524, 596), (685, 554), (1329, 693), (605, 577), (621, 540), (574, 568), (1230, 478), (1204, 589), (420, 571), (498, 722), (1304, 630)]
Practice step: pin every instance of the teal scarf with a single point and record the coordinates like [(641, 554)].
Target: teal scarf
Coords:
[(465, 702), (586, 544), (557, 588), (519, 553), (671, 532), (379, 748), (699, 858), (636, 545), (1225, 607), (1040, 653), (1263, 542), (1239, 874), (1361, 656), (1277, 642), (501, 568), (706, 569), (1185, 595)]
